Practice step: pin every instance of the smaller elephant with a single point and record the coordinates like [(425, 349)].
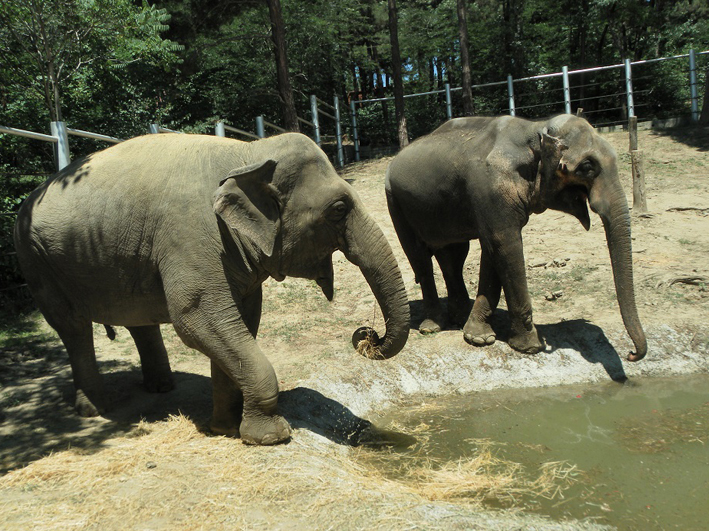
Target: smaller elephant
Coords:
[(184, 229), (481, 178)]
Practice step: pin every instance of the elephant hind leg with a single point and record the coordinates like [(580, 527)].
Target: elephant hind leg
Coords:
[(78, 340), (157, 374), (478, 331), (451, 259)]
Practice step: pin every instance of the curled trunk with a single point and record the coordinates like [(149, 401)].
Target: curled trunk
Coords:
[(367, 247)]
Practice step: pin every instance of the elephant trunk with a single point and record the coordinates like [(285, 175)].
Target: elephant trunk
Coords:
[(367, 247), (608, 200)]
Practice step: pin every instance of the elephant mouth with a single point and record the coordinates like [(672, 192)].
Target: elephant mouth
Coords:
[(574, 200)]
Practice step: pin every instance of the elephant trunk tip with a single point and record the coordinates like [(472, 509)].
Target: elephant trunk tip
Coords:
[(367, 343), (637, 356)]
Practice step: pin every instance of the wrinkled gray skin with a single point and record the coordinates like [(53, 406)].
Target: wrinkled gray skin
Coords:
[(481, 178), (184, 229)]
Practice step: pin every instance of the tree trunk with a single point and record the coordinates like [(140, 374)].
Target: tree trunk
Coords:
[(278, 34), (468, 109), (379, 90), (398, 80)]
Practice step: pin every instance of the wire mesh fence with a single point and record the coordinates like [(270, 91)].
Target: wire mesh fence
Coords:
[(654, 89)]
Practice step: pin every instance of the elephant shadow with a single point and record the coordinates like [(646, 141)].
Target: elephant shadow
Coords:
[(304, 408), (580, 335), (37, 417), (308, 409)]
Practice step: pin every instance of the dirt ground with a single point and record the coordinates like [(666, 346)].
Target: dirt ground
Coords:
[(151, 463)]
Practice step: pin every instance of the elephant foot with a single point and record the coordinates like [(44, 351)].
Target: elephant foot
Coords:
[(223, 429), (160, 384), (87, 408), (429, 326), (264, 430), (527, 342), (479, 333)]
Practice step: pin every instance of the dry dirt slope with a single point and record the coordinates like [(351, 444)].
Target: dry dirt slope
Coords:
[(167, 473)]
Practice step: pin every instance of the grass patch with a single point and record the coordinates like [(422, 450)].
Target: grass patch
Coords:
[(19, 329), (581, 273)]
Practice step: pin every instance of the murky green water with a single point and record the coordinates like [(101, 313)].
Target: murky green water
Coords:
[(642, 447)]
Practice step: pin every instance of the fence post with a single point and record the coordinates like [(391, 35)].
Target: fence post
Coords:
[(154, 129), (449, 104), (338, 132), (316, 121), (693, 85), (260, 130), (567, 91), (219, 129), (629, 88), (61, 150), (638, 171), (355, 134), (511, 94)]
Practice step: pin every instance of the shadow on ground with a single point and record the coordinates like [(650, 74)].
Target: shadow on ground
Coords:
[(580, 335), (695, 136), (37, 416), (308, 409), (589, 340)]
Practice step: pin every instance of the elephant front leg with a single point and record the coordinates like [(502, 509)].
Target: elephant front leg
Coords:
[(245, 393), (227, 404), (508, 258), (239, 368), (478, 330), (260, 423)]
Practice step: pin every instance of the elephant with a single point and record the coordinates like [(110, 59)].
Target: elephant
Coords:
[(184, 229), (481, 178)]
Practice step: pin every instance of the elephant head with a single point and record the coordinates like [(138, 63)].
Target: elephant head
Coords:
[(292, 212), (578, 167)]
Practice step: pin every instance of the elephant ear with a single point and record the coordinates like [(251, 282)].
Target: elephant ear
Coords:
[(250, 205), (556, 187), (550, 174)]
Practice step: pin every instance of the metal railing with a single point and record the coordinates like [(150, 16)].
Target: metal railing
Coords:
[(316, 112), (598, 99)]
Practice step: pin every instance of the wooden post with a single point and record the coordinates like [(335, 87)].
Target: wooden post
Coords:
[(638, 170)]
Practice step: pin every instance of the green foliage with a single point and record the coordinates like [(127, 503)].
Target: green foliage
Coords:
[(13, 190), (46, 44)]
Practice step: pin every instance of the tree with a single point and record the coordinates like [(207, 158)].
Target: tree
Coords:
[(462, 9), (46, 43), (399, 109), (278, 32)]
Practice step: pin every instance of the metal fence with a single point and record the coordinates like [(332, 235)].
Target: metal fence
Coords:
[(606, 96)]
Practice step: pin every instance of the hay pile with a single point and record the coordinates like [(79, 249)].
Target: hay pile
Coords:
[(171, 475)]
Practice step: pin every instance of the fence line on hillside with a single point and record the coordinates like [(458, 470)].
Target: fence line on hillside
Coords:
[(592, 97), (600, 98)]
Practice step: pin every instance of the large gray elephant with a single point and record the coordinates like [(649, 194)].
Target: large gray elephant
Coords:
[(184, 229), (481, 178)]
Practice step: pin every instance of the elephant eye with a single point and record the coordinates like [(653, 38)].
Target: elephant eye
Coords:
[(586, 168), (337, 211)]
